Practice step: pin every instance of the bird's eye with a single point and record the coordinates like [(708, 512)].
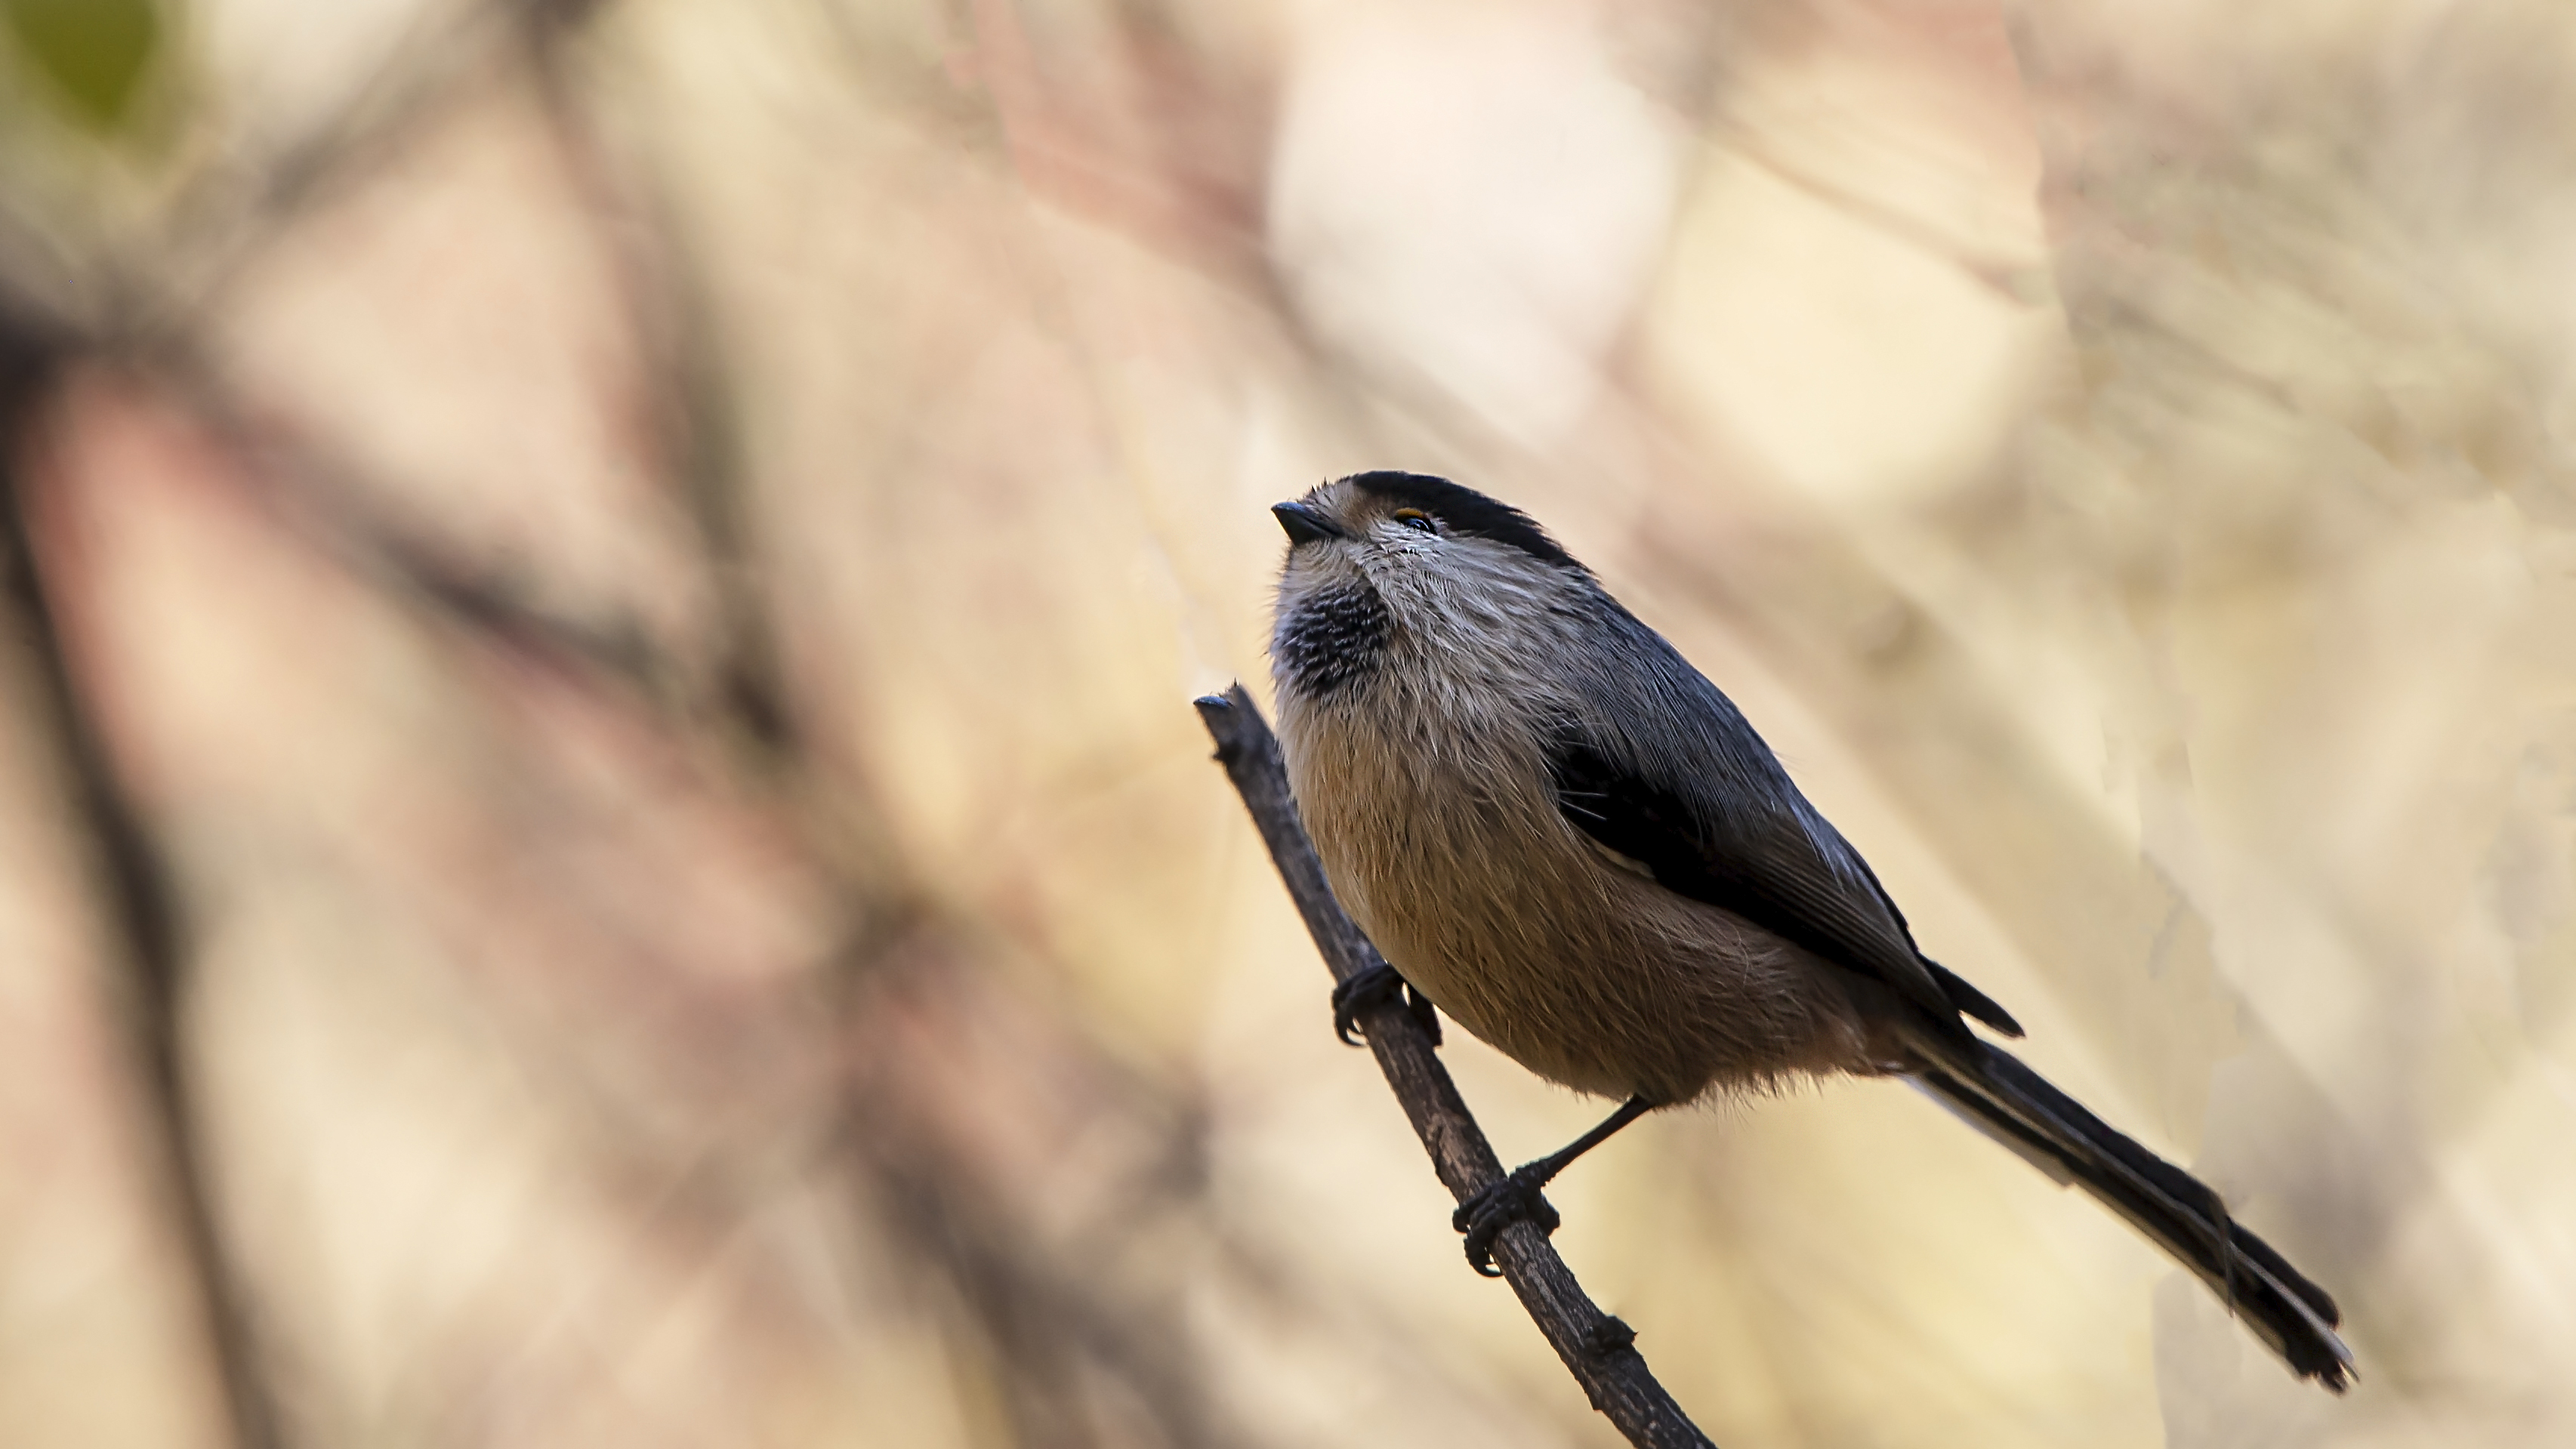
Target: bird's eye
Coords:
[(1417, 519)]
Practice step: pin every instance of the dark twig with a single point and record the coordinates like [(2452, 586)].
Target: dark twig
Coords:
[(135, 885), (1598, 1349)]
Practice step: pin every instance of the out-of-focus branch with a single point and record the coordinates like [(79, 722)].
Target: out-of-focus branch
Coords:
[(2015, 281), (225, 218), (1050, 1328), (692, 413), (333, 506), (1597, 1348), (138, 899), (1052, 1331), (666, 298)]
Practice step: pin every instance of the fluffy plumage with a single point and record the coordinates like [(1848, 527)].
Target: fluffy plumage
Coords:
[(1428, 766), (1572, 842)]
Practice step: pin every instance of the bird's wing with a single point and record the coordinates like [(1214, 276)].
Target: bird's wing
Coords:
[(1761, 853)]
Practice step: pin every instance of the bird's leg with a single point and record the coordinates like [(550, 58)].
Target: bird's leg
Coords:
[(1374, 987), (1423, 1012), (1516, 1196)]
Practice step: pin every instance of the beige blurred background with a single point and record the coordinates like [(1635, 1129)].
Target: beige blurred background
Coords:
[(602, 842)]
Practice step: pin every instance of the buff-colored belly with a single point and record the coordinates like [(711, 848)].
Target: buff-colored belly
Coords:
[(1522, 931)]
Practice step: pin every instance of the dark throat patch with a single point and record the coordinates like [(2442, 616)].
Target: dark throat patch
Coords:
[(1334, 637)]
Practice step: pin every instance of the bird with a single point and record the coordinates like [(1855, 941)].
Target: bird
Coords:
[(1565, 838)]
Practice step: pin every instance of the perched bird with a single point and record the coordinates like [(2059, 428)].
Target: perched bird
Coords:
[(1564, 837)]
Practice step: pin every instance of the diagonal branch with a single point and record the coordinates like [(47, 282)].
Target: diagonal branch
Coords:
[(1598, 1349), (139, 899)]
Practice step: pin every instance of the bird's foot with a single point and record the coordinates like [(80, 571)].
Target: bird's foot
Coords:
[(1373, 988), (1367, 991), (1483, 1217)]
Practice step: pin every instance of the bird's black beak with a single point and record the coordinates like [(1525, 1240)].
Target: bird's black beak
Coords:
[(1304, 524)]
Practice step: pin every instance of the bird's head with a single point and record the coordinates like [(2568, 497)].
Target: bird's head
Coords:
[(1375, 556)]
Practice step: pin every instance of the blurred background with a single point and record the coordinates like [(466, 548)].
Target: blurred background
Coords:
[(602, 840)]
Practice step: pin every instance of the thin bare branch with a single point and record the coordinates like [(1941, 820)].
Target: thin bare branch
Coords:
[(1597, 1348)]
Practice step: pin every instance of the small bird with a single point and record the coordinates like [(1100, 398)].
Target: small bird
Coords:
[(1565, 838)]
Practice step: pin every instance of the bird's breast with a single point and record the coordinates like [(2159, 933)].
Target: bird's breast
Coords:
[(1440, 831)]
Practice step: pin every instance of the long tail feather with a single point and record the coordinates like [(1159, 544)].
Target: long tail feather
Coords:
[(1995, 1092)]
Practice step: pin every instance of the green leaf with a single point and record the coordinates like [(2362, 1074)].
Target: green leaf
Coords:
[(94, 51)]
